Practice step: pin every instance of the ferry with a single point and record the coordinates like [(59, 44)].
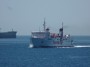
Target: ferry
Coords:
[(47, 39)]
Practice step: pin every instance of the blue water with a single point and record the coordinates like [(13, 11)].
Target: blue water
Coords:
[(16, 53)]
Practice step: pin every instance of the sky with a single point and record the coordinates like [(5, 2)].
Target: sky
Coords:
[(25, 16)]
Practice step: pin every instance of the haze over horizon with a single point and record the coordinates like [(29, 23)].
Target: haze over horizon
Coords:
[(25, 16)]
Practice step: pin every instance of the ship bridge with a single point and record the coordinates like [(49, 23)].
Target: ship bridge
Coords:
[(40, 34)]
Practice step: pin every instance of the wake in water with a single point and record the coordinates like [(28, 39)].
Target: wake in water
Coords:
[(82, 46), (76, 46), (31, 46)]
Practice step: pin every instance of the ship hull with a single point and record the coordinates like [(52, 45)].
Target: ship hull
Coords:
[(11, 34), (40, 42)]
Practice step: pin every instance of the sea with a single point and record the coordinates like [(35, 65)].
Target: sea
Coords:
[(16, 52)]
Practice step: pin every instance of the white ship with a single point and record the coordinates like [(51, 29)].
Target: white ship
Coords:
[(48, 39)]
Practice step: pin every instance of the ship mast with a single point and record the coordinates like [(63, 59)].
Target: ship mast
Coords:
[(44, 25), (62, 29), (62, 25)]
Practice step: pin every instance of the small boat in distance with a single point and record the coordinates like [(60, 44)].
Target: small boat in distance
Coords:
[(9, 34), (47, 39)]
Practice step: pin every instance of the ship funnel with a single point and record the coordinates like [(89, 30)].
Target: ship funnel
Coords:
[(47, 30), (61, 33)]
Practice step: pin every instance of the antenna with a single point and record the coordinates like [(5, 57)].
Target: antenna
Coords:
[(44, 25), (62, 24)]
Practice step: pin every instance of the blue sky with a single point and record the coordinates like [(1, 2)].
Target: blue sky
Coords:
[(25, 16)]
